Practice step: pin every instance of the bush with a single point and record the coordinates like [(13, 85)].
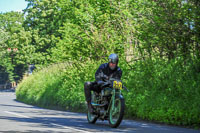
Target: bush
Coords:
[(59, 85), (160, 91), (163, 91)]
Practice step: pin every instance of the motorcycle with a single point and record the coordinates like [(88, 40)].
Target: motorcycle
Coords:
[(109, 104)]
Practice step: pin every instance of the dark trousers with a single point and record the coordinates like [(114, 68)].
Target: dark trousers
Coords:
[(88, 87)]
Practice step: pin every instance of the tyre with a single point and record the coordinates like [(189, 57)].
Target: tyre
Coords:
[(116, 114), (91, 118)]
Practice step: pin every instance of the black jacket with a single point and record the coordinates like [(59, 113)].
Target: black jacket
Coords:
[(117, 73)]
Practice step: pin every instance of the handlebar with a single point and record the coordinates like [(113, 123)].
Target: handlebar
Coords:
[(108, 81), (125, 88)]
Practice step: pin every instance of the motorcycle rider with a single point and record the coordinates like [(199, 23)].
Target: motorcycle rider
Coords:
[(106, 70)]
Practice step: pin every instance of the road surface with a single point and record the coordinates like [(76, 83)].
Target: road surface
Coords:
[(19, 117)]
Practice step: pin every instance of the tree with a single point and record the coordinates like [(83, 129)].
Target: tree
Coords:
[(15, 48), (43, 21)]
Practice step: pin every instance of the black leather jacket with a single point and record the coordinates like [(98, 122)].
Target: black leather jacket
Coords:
[(117, 73)]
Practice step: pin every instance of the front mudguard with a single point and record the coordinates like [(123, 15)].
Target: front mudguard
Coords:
[(119, 95)]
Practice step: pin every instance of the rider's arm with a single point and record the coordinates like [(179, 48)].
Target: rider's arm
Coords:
[(118, 74), (98, 77)]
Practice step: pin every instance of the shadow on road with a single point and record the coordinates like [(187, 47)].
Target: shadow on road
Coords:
[(7, 90), (30, 131), (77, 123), (8, 105), (52, 119)]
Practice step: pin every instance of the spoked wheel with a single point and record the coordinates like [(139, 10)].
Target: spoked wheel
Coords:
[(91, 118), (116, 114)]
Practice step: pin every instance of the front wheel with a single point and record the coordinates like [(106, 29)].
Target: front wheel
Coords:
[(116, 113)]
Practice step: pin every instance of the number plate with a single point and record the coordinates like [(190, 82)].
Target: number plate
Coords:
[(117, 85)]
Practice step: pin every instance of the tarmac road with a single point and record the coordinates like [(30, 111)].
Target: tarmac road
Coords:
[(19, 117)]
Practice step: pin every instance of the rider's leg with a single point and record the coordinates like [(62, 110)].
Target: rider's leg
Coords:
[(87, 89)]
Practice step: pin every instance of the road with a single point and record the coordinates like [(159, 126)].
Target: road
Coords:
[(19, 117)]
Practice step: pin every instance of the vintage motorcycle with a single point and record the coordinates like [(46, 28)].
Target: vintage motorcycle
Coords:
[(109, 104)]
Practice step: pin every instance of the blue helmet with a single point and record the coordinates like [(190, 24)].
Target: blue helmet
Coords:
[(113, 58)]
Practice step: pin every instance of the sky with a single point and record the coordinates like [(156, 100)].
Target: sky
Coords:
[(12, 5)]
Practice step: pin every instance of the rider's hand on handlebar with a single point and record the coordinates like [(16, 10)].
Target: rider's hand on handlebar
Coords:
[(103, 76)]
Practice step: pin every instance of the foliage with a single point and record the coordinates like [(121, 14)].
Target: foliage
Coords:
[(165, 91), (43, 21), (88, 31), (15, 48), (60, 30), (162, 37), (159, 91), (59, 85)]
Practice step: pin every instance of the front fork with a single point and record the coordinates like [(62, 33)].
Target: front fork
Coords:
[(112, 102)]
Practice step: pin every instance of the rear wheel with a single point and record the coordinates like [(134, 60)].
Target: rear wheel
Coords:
[(116, 114), (92, 118)]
